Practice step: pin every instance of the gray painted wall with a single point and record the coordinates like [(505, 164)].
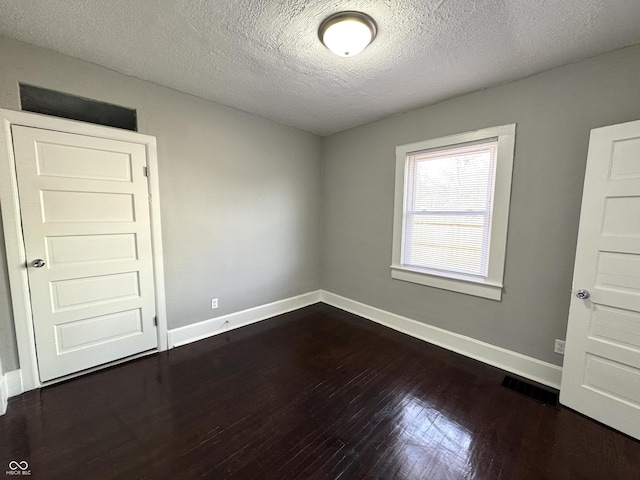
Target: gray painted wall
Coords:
[(555, 111), (240, 195)]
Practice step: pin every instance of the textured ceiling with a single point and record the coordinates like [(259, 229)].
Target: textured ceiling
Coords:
[(264, 56)]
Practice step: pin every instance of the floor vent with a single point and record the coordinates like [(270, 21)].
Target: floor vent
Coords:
[(541, 395)]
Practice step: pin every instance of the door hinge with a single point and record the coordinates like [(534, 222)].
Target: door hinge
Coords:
[(145, 171), (155, 321)]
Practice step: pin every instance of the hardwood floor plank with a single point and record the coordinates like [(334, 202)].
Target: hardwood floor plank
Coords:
[(314, 394)]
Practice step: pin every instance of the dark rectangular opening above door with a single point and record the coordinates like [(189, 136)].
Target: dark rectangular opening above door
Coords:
[(58, 104)]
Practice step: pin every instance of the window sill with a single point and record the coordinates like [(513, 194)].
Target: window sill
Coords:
[(492, 291)]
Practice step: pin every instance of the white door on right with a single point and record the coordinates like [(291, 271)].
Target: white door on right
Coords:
[(601, 373)]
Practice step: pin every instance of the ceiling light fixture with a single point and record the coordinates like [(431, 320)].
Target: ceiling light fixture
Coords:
[(347, 33)]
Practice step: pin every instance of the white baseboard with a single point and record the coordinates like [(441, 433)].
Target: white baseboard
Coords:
[(10, 386), (4, 396), (522, 365), (14, 383), (198, 331), (527, 367)]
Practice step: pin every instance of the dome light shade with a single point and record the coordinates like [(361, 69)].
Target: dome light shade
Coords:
[(347, 33)]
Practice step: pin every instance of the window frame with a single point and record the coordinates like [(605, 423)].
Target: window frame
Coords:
[(492, 286)]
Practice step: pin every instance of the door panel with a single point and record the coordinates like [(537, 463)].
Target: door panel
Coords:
[(84, 207), (89, 249), (601, 373), (89, 291), (85, 212), (87, 332), (614, 379), (72, 162)]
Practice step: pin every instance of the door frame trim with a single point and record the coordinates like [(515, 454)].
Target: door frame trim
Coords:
[(14, 240)]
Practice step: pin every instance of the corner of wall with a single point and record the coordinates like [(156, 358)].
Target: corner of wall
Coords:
[(323, 142), (10, 386), (208, 328)]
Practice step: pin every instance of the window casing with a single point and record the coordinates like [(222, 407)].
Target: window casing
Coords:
[(451, 211)]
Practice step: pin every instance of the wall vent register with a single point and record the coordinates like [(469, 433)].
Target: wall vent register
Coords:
[(63, 105)]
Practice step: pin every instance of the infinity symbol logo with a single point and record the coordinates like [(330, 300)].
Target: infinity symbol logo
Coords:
[(13, 465)]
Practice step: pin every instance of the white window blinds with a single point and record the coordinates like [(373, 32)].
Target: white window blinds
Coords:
[(448, 208)]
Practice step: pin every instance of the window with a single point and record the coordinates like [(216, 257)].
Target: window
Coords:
[(451, 211)]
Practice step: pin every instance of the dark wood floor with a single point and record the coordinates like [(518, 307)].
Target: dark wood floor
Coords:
[(313, 394)]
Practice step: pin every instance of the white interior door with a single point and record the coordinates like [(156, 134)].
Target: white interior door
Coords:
[(601, 373), (85, 216)]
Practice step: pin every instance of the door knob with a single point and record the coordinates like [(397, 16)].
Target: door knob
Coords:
[(583, 294), (37, 263)]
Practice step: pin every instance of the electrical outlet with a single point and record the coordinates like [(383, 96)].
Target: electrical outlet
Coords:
[(214, 303), (559, 347)]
